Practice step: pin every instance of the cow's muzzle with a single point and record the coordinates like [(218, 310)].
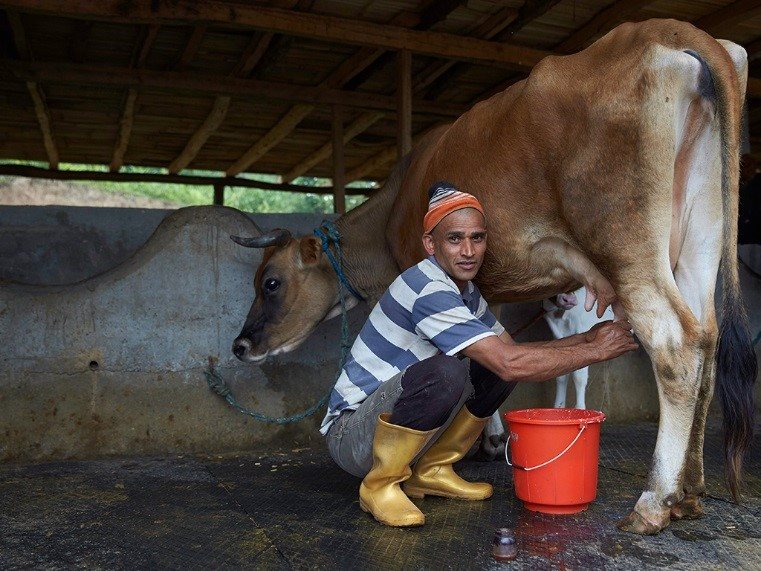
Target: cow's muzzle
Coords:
[(242, 350)]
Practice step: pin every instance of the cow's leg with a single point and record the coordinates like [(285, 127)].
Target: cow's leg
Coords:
[(695, 275), (561, 390), (580, 379), (673, 338)]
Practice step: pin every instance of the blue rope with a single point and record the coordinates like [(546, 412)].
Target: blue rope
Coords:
[(217, 383), (332, 235)]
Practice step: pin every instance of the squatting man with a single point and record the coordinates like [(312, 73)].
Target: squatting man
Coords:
[(406, 406)]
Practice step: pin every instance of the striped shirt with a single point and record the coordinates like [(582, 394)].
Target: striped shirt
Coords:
[(420, 315)]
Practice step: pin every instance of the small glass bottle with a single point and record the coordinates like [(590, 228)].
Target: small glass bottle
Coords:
[(503, 546)]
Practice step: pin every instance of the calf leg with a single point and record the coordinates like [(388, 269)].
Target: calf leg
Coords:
[(561, 390), (580, 379)]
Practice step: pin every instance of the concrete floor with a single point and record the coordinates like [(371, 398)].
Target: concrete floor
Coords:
[(295, 509)]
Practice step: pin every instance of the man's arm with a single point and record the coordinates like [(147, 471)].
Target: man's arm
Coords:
[(570, 341), (526, 362)]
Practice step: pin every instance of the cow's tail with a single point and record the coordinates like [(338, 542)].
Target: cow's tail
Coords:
[(736, 366)]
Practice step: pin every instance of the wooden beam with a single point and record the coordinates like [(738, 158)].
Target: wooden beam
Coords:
[(252, 54), (210, 124), (139, 54), (309, 25), (729, 15), (19, 36), (272, 138), (359, 125), (339, 178), (184, 81), (125, 131), (381, 159), (144, 44), (603, 21), (530, 11), (43, 118), (440, 77), (194, 180), (36, 93), (404, 105), (191, 48), (358, 62), (219, 194)]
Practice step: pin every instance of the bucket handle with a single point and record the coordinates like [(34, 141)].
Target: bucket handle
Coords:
[(582, 428)]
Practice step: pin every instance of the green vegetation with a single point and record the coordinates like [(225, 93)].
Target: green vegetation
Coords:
[(246, 199)]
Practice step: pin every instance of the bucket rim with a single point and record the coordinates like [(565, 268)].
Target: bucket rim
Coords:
[(549, 416)]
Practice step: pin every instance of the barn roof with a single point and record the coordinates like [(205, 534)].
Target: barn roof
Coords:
[(274, 86)]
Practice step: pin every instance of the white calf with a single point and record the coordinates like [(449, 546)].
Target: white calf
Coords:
[(565, 317)]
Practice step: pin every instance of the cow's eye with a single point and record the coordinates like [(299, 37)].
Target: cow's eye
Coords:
[(271, 285)]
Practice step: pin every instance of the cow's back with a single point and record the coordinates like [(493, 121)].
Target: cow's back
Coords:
[(527, 153)]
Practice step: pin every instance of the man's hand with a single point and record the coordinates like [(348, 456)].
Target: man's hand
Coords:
[(611, 338)]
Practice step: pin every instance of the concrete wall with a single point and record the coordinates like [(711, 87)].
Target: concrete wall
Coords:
[(114, 364)]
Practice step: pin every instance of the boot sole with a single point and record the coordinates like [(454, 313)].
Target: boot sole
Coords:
[(419, 493), (366, 509)]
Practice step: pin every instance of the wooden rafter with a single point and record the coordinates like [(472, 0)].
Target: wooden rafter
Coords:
[(434, 11), (36, 92), (361, 60), (339, 178), (210, 124), (731, 14), (603, 21), (252, 54), (127, 118), (359, 125), (194, 180), (315, 26), (441, 76), (272, 138), (126, 121), (530, 11), (217, 85), (43, 118), (378, 160), (191, 48)]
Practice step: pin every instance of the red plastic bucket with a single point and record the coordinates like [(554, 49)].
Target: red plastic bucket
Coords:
[(555, 453)]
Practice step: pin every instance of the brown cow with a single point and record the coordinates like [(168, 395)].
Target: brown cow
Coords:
[(615, 168)]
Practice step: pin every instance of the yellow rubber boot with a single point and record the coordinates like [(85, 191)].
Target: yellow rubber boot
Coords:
[(433, 474), (394, 447)]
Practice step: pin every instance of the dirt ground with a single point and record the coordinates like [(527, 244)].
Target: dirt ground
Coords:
[(20, 191)]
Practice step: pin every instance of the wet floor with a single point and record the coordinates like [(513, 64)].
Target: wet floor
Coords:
[(295, 509)]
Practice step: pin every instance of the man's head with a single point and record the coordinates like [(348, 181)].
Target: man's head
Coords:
[(454, 231)]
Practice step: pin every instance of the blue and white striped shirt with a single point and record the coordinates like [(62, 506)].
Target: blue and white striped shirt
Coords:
[(421, 314)]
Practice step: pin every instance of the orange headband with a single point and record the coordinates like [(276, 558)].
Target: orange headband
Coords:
[(444, 200)]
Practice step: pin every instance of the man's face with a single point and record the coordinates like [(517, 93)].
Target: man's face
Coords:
[(458, 242)]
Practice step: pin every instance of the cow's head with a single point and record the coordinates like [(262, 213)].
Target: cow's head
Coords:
[(296, 289)]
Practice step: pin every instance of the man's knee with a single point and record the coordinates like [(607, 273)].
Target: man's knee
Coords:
[(449, 376)]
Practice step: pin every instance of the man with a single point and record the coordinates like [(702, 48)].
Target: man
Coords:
[(404, 398)]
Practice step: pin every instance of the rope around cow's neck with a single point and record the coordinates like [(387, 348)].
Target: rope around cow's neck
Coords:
[(217, 383)]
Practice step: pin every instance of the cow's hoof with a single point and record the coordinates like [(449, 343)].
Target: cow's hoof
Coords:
[(691, 507), (635, 523)]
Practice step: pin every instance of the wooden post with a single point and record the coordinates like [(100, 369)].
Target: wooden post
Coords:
[(404, 102), (219, 194), (339, 176)]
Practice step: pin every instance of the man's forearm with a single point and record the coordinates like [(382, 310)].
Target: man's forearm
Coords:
[(570, 341), (527, 362)]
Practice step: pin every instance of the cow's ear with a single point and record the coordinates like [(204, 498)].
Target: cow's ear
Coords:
[(310, 249)]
